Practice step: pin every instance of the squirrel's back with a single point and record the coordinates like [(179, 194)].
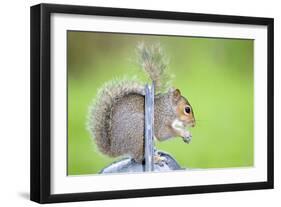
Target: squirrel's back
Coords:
[(114, 102)]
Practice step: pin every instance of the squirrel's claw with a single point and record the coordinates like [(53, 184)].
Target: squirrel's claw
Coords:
[(187, 139), (160, 160)]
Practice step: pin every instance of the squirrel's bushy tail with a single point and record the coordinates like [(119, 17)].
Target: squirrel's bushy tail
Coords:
[(100, 116), (154, 62)]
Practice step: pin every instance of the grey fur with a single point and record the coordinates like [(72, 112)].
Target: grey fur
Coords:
[(117, 119), (101, 112)]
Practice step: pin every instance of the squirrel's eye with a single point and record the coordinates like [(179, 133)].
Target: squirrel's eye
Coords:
[(187, 109)]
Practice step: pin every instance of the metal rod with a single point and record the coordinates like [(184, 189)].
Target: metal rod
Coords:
[(149, 128)]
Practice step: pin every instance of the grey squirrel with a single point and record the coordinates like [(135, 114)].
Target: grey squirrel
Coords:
[(116, 119)]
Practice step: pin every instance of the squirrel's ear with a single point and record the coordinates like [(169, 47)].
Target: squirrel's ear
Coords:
[(176, 94)]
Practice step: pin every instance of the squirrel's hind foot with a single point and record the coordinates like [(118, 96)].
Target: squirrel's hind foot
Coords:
[(161, 161)]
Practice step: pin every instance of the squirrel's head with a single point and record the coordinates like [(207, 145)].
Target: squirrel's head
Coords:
[(183, 109), (173, 115)]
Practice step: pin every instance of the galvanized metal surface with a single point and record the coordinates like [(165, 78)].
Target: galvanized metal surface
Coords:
[(128, 165)]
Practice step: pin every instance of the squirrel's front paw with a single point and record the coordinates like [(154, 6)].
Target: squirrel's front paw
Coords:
[(187, 137), (160, 160)]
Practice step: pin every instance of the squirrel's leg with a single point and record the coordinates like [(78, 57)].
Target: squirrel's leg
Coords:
[(137, 154), (138, 159)]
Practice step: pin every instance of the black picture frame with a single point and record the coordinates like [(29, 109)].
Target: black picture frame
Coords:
[(40, 184)]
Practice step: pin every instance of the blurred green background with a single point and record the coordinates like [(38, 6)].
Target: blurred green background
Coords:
[(214, 74)]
